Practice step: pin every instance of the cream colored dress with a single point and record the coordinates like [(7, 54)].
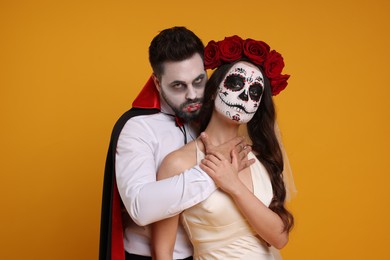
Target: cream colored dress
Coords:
[(218, 230)]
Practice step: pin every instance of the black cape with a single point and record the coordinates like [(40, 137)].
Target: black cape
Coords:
[(111, 230)]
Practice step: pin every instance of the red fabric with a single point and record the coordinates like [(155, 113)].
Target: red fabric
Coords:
[(179, 121), (148, 97), (117, 247)]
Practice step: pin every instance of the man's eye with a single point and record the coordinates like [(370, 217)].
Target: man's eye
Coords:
[(177, 85), (234, 82), (198, 81), (255, 91)]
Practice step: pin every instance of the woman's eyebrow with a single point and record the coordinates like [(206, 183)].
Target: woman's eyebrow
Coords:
[(240, 70), (259, 79)]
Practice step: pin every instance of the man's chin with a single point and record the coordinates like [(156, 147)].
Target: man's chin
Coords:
[(189, 116)]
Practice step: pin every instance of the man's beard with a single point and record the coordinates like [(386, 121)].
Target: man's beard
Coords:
[(179, 111)]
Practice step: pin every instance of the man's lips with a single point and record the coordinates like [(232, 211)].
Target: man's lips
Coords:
[(192, 107)]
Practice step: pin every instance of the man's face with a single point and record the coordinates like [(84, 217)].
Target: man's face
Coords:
[(239, 94), (182, 85)]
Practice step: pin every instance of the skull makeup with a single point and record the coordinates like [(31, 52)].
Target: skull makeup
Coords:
[(239, 94)]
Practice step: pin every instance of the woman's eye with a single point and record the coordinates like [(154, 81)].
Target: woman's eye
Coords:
[(234, 82), (255, 91)]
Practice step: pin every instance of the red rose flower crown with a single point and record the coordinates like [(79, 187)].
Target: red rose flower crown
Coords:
[(234, 48)]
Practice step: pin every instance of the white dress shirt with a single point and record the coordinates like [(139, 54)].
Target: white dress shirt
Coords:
[(142, 145)]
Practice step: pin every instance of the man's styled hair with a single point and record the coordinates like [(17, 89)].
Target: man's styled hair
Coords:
[(173, 44)]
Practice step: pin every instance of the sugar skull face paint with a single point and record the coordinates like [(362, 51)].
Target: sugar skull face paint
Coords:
[(239, 94)]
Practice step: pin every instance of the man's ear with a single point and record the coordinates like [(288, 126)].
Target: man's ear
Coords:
[(156, 82)]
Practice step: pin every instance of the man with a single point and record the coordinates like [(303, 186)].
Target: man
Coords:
[(141, 139)]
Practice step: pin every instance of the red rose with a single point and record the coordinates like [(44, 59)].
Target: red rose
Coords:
[(230, 48), (256, 51), (211, 55), (278, 84), (273, 65)]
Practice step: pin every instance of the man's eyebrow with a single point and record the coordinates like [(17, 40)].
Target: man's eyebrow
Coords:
[(176, 82), (201, 76)]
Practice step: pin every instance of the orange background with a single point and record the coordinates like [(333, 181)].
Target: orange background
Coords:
[(70, 68)]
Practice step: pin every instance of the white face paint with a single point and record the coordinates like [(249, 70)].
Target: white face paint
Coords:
[(240, 92), (182, 86)]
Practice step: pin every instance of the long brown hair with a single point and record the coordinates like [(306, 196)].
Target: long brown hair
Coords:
[(261, 130)]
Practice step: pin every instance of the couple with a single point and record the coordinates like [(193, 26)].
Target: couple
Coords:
[(246, 214)]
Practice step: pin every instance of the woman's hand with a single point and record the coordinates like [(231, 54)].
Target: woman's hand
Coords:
[(223, 172), (268, 224), (237, 145)]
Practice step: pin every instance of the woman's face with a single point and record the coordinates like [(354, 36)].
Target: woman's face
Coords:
[(240, 92)]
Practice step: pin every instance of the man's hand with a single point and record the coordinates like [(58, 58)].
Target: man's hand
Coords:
[(236, 145), (223, 172)]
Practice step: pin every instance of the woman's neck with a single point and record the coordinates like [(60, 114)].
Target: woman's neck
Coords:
[(220, 129)]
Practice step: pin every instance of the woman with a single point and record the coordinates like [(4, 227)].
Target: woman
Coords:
[(247, 214)]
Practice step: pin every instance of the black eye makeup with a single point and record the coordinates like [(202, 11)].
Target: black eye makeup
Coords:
[(234, 82), (177, 85), (199, 80), (255, 91)]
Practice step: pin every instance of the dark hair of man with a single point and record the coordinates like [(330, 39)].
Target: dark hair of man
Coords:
[(261, 130), (173, 44)]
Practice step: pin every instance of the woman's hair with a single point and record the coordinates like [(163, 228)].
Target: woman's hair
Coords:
[(262, 133)]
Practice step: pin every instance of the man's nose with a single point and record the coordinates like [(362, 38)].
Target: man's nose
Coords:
[(191, 93)]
